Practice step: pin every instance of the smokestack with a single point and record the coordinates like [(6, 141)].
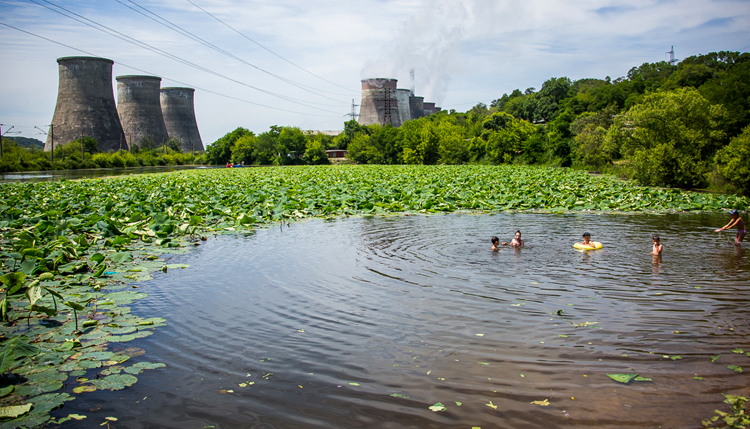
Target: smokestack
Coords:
[(179, 116), (402, 99), (379, 104), (86, 104), (139, 107), (416, 107)]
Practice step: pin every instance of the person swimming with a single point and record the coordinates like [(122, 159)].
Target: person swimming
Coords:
[(516, 241), (658, 247), (495, 244), (736, 222), (587, 241)]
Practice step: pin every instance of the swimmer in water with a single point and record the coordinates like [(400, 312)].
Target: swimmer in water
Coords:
[(587, 241), (516, 240), (658, 247), (736, 222), (495, 244)]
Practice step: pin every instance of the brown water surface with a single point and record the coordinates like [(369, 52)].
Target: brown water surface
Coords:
[(329, 319)]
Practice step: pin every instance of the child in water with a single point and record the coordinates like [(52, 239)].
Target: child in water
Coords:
[(739, 223), (516, 240), (495, 243), (587, 241), (658, 247)]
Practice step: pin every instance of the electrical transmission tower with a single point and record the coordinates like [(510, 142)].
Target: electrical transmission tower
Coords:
[(672, 60), (387, 95), (353, 113)]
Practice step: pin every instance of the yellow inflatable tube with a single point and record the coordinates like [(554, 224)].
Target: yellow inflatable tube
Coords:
[(597, 245)]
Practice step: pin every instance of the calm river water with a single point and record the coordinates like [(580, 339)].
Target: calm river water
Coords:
[(54, 175), (329, 319)]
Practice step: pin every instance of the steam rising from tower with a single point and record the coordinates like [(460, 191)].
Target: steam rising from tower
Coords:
[(179, 116), (139, 106), (85, 104)]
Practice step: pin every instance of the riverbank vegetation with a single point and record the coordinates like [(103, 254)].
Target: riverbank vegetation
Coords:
[(72, 252), (678, 125), (69, 156)]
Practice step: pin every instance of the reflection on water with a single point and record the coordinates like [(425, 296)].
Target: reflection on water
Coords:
[(49, 176), (328, 320)]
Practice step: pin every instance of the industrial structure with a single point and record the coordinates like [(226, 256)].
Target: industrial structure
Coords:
[(85, 104), (383, 103), (139, 107), (178, 109)]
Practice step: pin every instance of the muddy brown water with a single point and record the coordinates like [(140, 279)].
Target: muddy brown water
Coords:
[(329, 319)]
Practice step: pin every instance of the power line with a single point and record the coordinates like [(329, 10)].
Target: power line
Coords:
[(95, 25), (272, 52), (164, 77), (174, 27)]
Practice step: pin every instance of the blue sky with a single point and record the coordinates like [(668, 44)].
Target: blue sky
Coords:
[(463, 51)]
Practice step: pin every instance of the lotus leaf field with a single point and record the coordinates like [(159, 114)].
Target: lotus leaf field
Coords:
[(72, 252)]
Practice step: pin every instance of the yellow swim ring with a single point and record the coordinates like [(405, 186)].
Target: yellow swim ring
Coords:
[(597, 245)]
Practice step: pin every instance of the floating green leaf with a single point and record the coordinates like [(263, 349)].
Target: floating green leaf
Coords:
[(14, 411), (396, 395), (622, 378), (739, 351), (715, 358), (735, 368), (437, 407), (114, 382), (642, 379)]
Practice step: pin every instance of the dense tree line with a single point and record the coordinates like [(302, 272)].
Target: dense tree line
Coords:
[(683, 125), (72, 156)]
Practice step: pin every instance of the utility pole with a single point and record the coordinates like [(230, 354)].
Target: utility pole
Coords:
[(387, 107), (52, 143), (353, 113)]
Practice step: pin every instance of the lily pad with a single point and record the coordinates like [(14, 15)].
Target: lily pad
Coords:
[(642, 379), (544, 403), (137, 368), (14, 411), (115, 382), (622, 378), (735, 368)]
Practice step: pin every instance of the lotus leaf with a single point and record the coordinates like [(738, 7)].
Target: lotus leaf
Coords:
[(622, 378), (735, 368), (5, 391), (14, 411), (115, 382), (84, 388), (437, 407), (137, 368), (121, 257)]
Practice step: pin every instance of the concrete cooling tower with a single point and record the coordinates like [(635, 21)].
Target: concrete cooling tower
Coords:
[(379, 103), (416, 106), (139, 106), (402, 99), (429, 109), (86, 104), (179, 116)]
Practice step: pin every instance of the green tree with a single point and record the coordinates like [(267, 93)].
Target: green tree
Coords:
[(147, 143), (733, 161), (669, 137), (220, 151), (291, 145), (315, 153), (243, 148), (174, 144), (265, 152)]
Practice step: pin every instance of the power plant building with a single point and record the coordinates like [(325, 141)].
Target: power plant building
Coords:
[(85, 104), (402, 99), (178, 109), (379, 103), (139, 107), (416, 106)]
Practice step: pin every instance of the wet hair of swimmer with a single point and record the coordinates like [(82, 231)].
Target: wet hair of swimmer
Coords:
[(494, 240), (655, 238), (586, 234), (518, 231)]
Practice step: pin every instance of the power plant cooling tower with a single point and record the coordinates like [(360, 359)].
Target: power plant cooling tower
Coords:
[(86, 104), (429, 108), (179, 116), (139, 106), (416, 106), (402, 99), (379, 104)]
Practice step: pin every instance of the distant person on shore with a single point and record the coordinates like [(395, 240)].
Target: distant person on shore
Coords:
[(658, 247), (735, 222), (516, 240), (495, 244), (587, 241)]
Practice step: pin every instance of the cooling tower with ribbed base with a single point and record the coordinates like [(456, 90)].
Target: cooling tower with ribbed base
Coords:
[(416, 106), (85, 104), (379, 104), (139, 107), (402, 99), (179, 116)]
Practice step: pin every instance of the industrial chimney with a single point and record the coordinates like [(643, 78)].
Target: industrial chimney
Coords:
[(379, 104), (402, 99), (179, 116), (85, 104), (416, 107), (429, 109), (139, 106)]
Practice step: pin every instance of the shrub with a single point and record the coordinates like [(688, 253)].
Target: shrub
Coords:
[(733, 161)]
